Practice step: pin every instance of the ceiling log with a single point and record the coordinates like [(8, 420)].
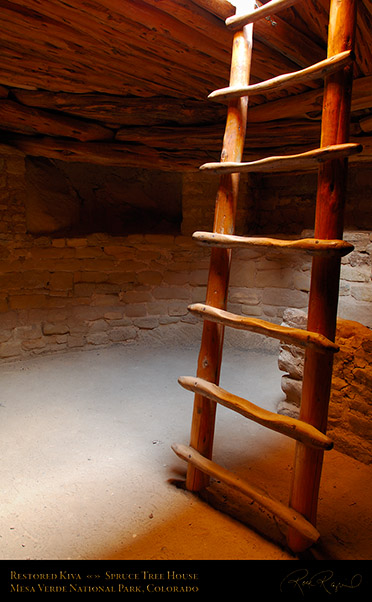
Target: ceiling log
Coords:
[(108, 153), (265, 135), (78, 26), (141, 71), (74, 49), (282, 36), (119, 21), (27, 54), (363, 49), (195, 17), (164, 154), (309, 104), (366, 124), (124, 111), (26, 120), (220, 8), (302, 18)]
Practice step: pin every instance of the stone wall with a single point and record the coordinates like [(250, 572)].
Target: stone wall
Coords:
[(349, 424), (73, 290), (285, 203), (76, 199), (198, 200), (62, 291), (349, 418)]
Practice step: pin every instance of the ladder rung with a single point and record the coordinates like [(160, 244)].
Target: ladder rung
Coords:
[(296, 336), (313, 246), (307, 160), (271, 8), (286, 514), (291, 427), (316, 71)]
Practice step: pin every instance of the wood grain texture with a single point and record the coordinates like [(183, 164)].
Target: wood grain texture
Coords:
[(294, 336), (150, 62), (325, 274), (267, 10), (300, 161), (210, 354), (318, 70), (287, 515), (105, 153), (18, 118), (311, 246), (290, 427)]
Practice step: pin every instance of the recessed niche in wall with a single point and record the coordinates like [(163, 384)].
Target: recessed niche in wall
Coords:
[(77, 198), (51, 203)]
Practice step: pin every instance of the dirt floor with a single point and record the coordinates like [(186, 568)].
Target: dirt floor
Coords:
[(88, 471)]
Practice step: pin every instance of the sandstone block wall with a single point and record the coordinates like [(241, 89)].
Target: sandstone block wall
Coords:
[(60, 294), (82, 291), (63, 292), (349, 422), (286, 203)]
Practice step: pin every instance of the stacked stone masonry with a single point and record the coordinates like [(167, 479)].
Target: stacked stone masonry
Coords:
[(349, 418), (59, 292), (65, 293), (73, 292)]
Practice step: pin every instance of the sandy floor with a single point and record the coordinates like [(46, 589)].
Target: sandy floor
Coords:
[(88, 472)]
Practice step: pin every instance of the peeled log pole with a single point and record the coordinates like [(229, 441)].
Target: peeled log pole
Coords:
[(308, 103), (287, 515), (130, 155), (297, 336), (210, 355), (311, 246), (254, 15), (324, 288), (286, 39), (316, 71), (276, 422), (299, 161)]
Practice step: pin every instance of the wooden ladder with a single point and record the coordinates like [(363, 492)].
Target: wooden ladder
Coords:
[(327, 247)]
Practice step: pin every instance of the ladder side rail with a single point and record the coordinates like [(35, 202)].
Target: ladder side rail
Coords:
[(210, 354), (253, 15), (324, 288)]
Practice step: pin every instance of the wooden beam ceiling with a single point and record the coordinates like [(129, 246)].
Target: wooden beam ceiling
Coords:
[(125, 82)]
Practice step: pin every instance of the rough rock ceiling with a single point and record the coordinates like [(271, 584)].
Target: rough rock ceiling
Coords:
[(125, 82)]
